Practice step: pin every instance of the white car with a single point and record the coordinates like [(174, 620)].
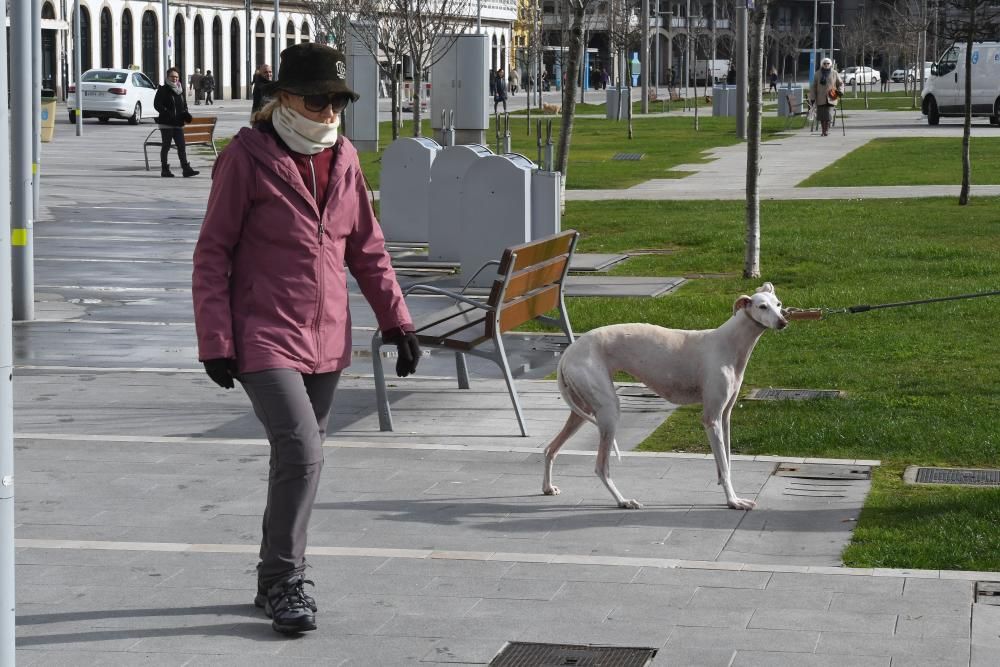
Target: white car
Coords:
[(898, 75), (859, 75), (114, 93)]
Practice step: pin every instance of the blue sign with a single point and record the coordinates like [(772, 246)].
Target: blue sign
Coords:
[(975, 57)]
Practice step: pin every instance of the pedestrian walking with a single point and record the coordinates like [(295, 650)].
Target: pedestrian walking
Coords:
[(825, 92), (605, 78), (170, 103), (772, 81), (261, 79), (512, 83), (499, 91), (196, 80), (884, 76), (208, 86), (288, 215)]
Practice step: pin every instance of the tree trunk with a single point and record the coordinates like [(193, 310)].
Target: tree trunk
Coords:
[(751, 265), (394, 88), (963, 197), (568, 98), (418, 83)]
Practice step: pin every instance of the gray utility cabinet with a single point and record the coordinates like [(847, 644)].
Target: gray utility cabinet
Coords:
[(404, 194), (361, 117), (546, 217), (724, 100), (460, 83), (496, 210), (611, 102), (447, 181)]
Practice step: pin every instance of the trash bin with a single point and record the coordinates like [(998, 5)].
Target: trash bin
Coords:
[(724, 100), (794, 93), (611, 102), (48, 114)]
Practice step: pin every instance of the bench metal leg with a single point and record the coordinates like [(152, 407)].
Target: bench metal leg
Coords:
[(501, 360), (145, 156), (462, 369), (564, 319), (381, 397)]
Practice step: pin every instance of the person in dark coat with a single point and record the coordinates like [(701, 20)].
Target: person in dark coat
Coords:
[(499, 91), (196, 85), (173, 108), (261, 78), (208, 86)]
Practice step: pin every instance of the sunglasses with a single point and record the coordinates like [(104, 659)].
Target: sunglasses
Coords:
[(317, 103)]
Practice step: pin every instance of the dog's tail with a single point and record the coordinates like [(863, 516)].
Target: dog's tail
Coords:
[(572, 397)]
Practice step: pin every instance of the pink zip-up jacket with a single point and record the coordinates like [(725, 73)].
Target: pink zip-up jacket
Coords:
[(269, 282)]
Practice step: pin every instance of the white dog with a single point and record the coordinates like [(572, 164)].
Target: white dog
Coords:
[(681, 366)]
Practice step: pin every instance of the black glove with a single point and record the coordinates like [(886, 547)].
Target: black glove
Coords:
[(407, 348), (222, 371)]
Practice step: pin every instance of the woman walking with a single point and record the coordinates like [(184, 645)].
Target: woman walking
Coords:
[(287, 216), (826, 89)]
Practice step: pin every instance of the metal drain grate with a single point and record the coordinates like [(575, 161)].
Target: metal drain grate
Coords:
[(528, 654), (792, 394), (628, 156), (969, 477), (823, 471), (988, 592)]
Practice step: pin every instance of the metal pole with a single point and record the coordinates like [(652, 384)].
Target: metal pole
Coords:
[(167, 60), (246, 50), (659, 20), (276, 44), (22, 220), (644, 68), (479, 17), (36, 103), (832, 2), (78, 69), (813, 63), (6, 376), (741, 70), (687, 50)]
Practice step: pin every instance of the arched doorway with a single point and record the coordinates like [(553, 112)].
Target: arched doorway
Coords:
[(234, 59), (289, 34), (503, 52), (260, 44), (217, 55), (304, 37), (107, 43), (199, 43), (493, 55), (150, 46), (179, 45), (49, 41), (86, 61), (128, 49)]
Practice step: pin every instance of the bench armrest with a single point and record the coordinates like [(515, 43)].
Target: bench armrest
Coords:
[(492, 262), (421, 287)]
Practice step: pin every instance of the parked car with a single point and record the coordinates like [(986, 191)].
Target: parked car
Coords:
[(912, 73), (859, 75), (114, 93), (898, 75)]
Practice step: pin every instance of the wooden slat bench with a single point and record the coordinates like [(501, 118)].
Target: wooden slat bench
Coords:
[(530, 282), (200, 131)]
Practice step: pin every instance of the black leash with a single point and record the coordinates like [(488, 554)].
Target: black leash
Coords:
[(819, 313)]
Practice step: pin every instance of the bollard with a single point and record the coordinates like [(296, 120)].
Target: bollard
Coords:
[(451, 127), (538, 140), (549, 147), (506, 133)]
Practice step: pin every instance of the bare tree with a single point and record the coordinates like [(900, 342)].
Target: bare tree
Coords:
[(529, 55), (757, 21), (429, 28), (623, 30), (969, 21), (380, 29)]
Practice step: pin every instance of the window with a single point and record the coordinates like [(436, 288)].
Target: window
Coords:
[(85, 46), (127, 49), (948, 62)]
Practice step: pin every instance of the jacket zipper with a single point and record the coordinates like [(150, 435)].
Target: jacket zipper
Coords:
[(319, 270)]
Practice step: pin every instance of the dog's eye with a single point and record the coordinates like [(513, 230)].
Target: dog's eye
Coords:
[(779, 304)]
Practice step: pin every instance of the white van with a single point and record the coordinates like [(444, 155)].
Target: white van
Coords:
[(944, 91)]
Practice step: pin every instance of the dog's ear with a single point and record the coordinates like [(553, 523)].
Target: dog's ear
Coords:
[(741, 303), (766, 287)]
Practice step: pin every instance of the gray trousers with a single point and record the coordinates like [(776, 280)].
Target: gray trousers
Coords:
[(294, 409)]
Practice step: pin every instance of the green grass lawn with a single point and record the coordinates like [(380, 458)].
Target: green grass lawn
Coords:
[(922, 383), (912, 161), (880, 101), (664, 141)]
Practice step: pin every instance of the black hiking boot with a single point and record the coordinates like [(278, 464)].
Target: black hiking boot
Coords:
[(188, 171), (287, 608), (166, 173), (260, 600)]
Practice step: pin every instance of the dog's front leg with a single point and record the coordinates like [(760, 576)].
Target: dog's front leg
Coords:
[(714, 429), (726, 414)]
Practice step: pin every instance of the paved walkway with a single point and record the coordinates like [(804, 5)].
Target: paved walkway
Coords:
[(140, 486)]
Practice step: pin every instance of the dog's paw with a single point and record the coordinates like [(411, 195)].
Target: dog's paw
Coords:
[(741, 504), (632, 504), (551, 490)]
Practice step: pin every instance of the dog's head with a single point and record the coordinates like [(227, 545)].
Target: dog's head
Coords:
[(763, 307)]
